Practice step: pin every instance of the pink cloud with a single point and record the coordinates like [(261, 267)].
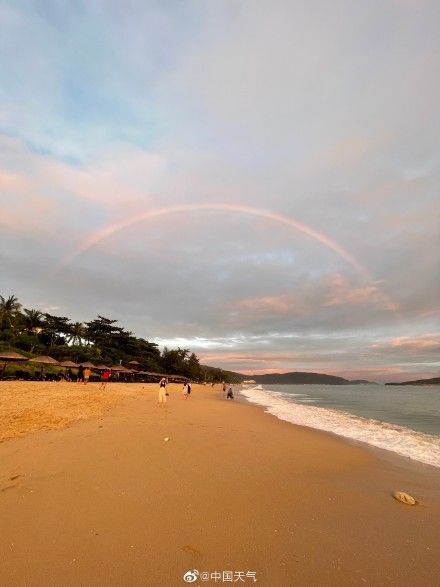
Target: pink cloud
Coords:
[(415, 343), (228, 357), (341, 293), (278, 305), (264, 371), (13, 182), (25, 210), (121, 179)]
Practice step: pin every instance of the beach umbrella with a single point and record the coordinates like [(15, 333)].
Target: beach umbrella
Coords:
[(10, 356), (121, 369), (133, 363), (103, 368), (88, 365), (43, 360), (117, 369), (69, 364), (131, 372)]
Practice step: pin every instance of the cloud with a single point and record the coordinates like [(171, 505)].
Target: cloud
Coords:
[(284, 304), (341, 293), (162, 105), (425, 342)]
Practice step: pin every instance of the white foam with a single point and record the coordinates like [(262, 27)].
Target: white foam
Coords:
[(403, 441)]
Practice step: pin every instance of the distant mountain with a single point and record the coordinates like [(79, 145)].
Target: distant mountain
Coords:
[(432, 381), (362, 382), (298, 377)]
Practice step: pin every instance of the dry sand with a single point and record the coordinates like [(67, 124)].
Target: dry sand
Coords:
[(107, 502), (27, 407)]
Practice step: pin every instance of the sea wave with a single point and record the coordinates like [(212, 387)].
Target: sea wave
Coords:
[(403, 441)]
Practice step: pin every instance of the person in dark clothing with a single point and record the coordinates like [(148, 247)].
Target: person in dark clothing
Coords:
[(230, 395)]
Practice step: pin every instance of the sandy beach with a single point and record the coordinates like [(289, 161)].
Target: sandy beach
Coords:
[(91, 494)]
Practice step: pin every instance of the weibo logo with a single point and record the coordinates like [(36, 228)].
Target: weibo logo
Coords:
[(191, 576)]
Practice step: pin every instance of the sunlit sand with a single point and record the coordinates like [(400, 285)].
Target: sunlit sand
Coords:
[(105, 499)]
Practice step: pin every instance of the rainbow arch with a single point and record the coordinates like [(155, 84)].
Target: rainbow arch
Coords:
[(104, 233)]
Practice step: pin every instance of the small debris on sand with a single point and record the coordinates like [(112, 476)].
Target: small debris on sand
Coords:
[(404, 498)]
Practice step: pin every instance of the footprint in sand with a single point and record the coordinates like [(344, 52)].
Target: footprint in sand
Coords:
[(10, 483), (191, 550)]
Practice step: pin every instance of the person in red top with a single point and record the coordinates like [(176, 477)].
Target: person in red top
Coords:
[(104, 379)]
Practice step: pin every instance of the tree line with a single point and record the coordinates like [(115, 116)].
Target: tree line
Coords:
[(100, 340)]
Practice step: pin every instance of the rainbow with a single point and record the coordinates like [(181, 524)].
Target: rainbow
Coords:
[(104, 233)]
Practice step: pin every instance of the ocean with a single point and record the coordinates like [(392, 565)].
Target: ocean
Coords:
[(402, 419)]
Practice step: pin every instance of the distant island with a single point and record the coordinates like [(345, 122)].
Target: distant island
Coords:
[(432, 381), (301, 378)]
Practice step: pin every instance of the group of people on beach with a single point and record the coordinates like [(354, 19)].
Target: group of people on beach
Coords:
[(186, 390), (83, 374), (229, 394)]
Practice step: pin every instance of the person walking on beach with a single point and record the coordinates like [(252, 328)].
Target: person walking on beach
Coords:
[(186, 389), (224, 388), (162, 391), (230, 395), (87, 374), (104, 379), (80, 374)]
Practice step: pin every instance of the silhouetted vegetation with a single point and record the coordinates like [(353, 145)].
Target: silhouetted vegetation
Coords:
[(432, 381), (100, 340), (300, 378)]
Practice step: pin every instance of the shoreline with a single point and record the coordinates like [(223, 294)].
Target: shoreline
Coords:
[(412, 444), (390, 456), (107, 502)]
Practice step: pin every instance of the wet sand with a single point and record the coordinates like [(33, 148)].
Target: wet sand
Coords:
[(106, 501)]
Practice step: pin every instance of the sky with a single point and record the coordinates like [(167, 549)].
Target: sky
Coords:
[(255, 181)]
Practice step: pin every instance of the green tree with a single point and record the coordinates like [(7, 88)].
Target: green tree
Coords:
[(55, 330), (194, 367), (102, 331), (176, 361), (9, 311), (32, 320), (77, 334)]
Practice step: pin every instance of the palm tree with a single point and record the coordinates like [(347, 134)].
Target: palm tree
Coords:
[(9, 309), (32, 320), (77, 333)]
